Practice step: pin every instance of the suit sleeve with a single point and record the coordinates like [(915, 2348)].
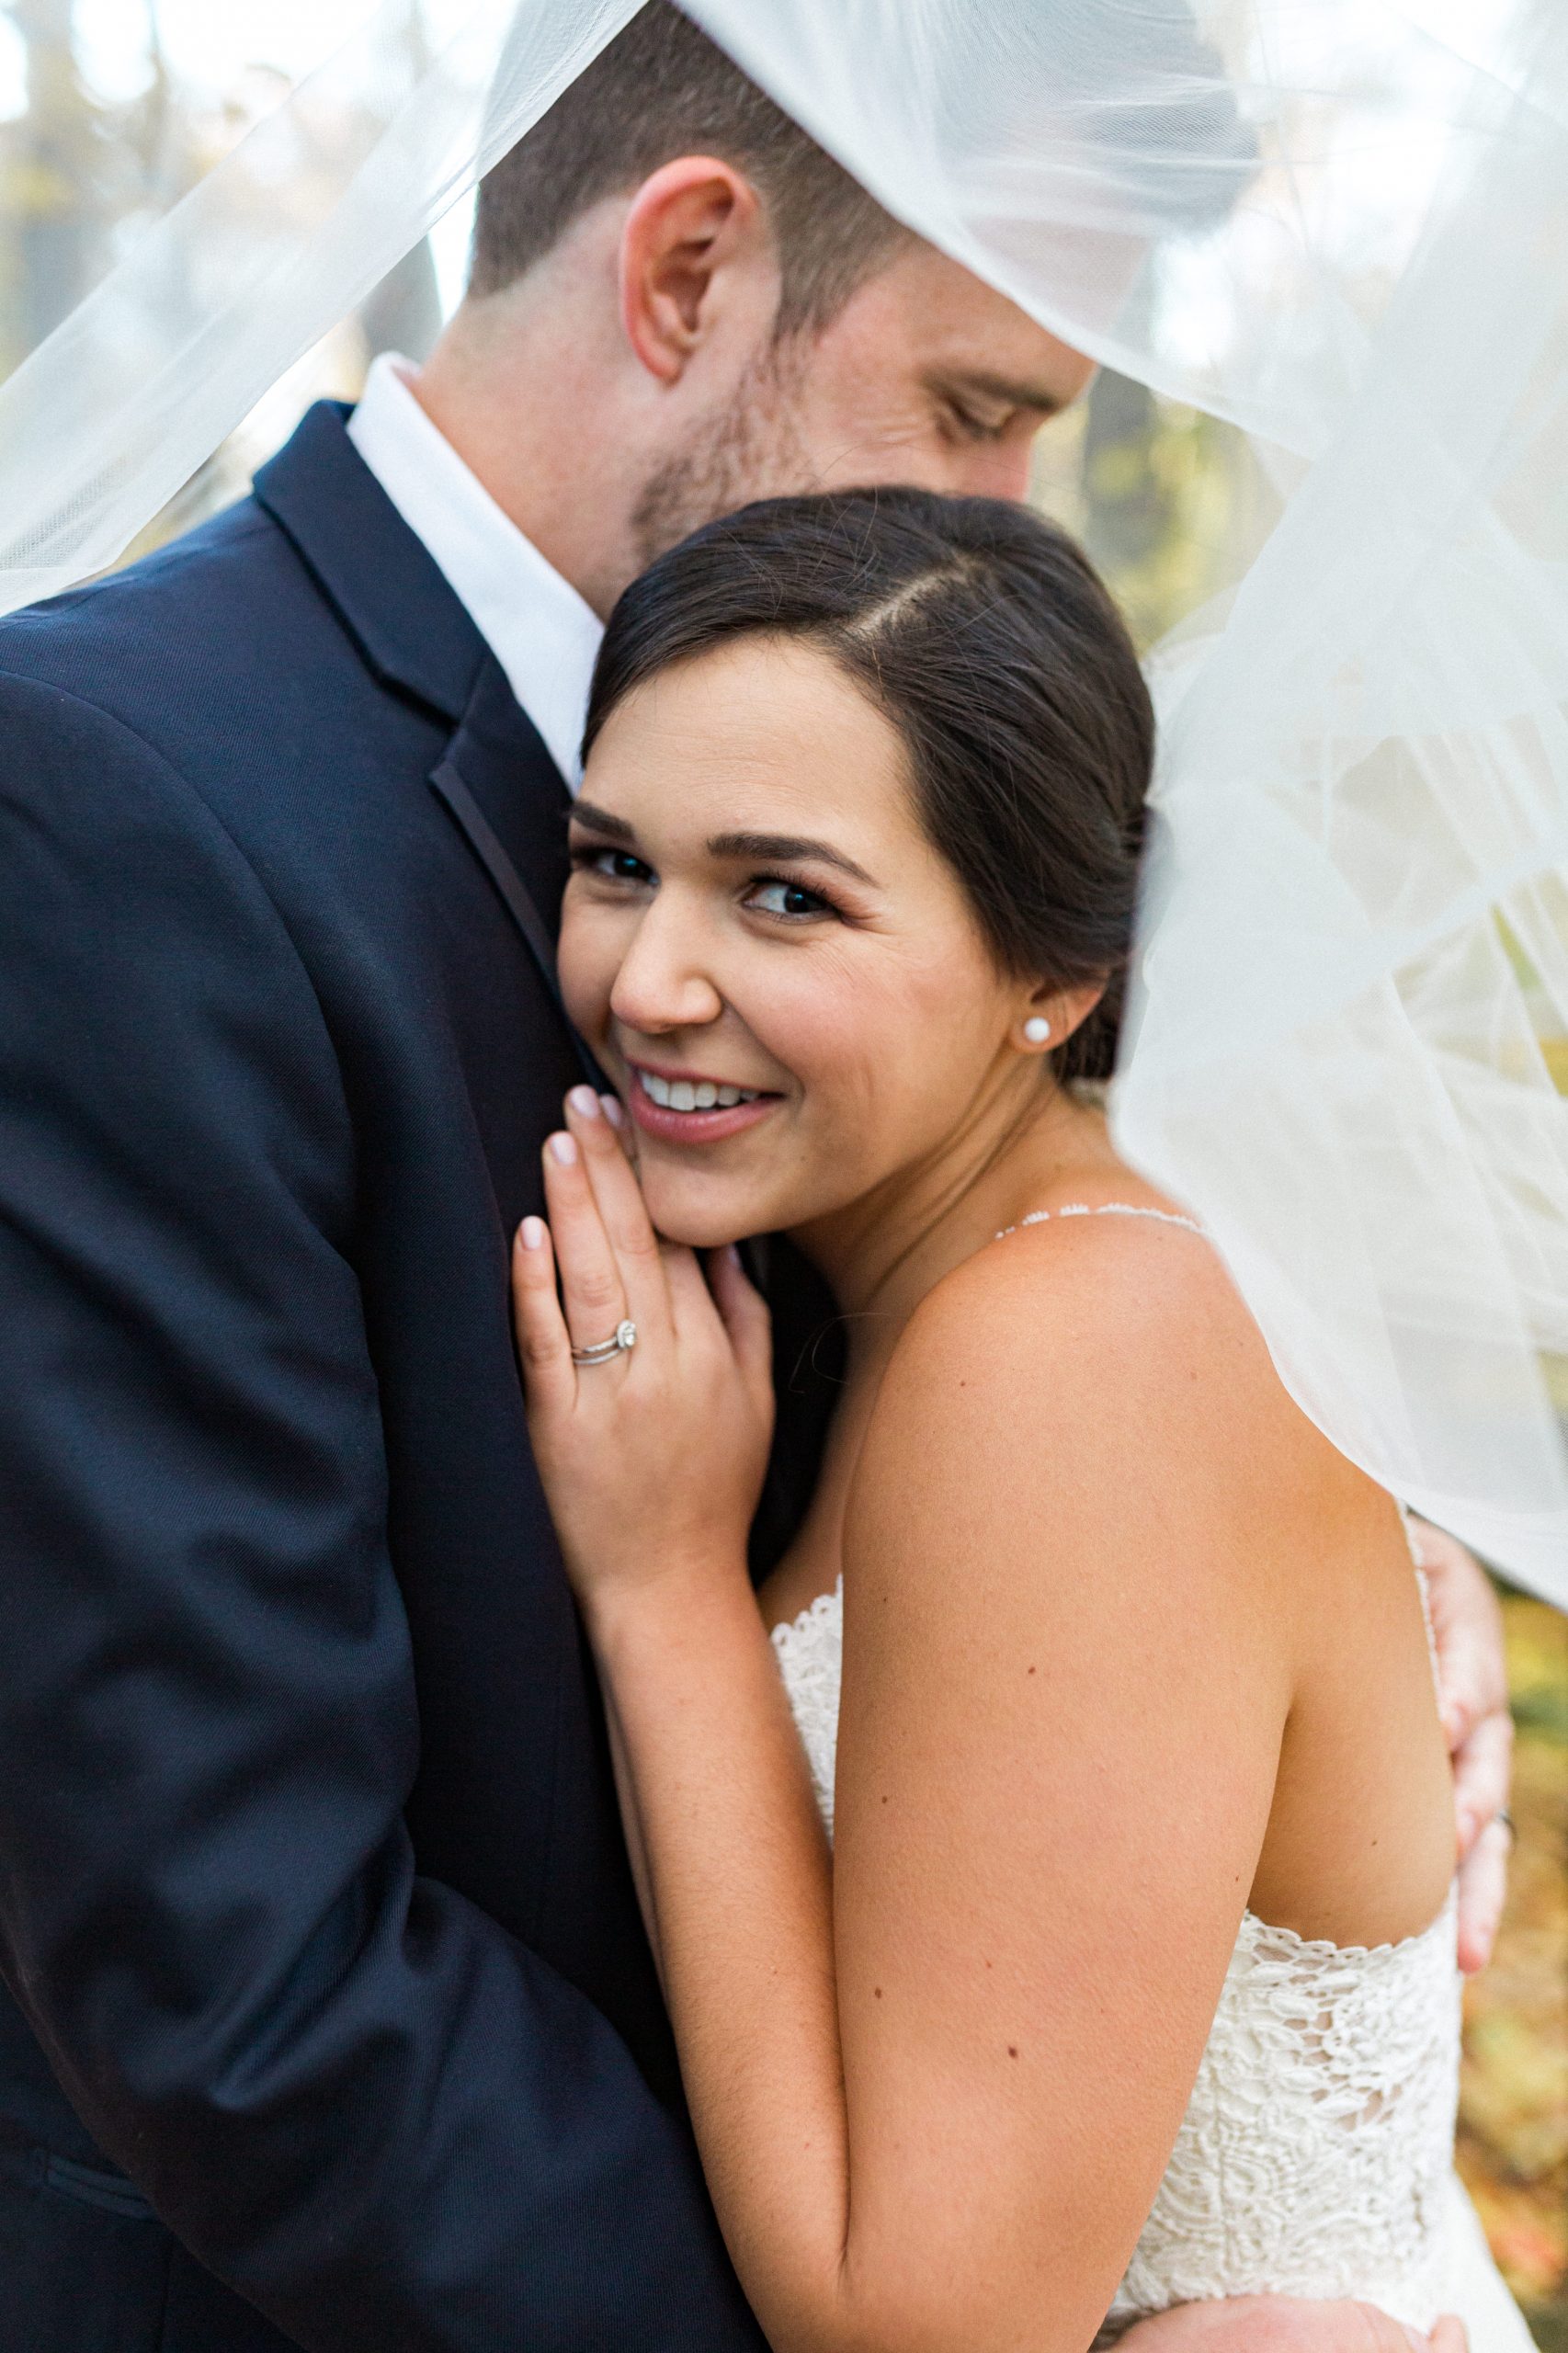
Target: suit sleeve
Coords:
[(350, 2093)]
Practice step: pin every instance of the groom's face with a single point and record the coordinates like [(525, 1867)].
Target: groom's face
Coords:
[(930, 376), (926, 375)]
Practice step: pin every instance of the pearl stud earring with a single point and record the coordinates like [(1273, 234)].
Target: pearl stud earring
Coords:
[(1037, 1028)]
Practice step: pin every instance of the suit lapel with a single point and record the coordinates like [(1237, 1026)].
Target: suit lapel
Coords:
[(498, 783), (448, 783), (392, 596), (506, 795)]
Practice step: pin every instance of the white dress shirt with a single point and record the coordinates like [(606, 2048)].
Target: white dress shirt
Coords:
[(540, 630)]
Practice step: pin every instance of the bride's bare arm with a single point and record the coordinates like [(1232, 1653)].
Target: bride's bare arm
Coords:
[(935, 2094)]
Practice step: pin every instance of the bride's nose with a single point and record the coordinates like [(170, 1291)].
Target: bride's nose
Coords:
[(664, 982)]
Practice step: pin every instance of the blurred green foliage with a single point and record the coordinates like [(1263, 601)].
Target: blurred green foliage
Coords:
[(1168, 500)]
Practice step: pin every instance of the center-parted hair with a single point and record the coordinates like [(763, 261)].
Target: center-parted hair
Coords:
[(983, 634)]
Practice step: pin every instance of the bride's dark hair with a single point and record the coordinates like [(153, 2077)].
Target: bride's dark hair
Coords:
[(985, 635)]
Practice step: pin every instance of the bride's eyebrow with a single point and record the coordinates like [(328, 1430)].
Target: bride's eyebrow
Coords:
[(785, 847), (600, 821)]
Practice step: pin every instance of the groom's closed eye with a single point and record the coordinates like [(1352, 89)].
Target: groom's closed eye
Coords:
[(985, 407)]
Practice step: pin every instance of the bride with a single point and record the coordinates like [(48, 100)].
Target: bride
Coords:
[(1131, 1978)]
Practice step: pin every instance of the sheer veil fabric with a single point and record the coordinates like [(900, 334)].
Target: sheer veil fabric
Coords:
[(1337, 225)]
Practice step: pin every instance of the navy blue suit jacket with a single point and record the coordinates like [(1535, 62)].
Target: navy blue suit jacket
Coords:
[(330, 2020)]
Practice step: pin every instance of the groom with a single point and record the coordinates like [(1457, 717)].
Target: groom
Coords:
[(328, 2019)]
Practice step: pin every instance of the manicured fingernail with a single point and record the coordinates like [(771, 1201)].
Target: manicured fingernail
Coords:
[(584, 1102), (532, 1232), (612, 1110), (564, 1148)]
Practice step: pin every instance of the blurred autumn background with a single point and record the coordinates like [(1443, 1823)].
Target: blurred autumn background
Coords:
[(110, 109)]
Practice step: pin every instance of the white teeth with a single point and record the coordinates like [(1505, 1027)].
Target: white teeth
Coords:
[(694, 1094)]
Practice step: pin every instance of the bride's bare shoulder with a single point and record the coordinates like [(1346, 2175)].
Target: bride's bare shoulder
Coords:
[(1082, 1294), (1103, 1363)]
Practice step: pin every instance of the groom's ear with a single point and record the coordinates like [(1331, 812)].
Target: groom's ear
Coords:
[(696, 257)]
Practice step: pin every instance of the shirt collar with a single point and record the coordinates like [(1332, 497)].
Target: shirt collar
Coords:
[(544, 635)]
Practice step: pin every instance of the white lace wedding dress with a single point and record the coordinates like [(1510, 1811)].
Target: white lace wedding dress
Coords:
[(1316, 2155)]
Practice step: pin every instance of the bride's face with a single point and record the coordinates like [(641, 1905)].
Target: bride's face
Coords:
[(781, 975)]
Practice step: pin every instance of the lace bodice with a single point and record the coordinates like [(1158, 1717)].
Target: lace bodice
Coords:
[(1315, 2155)]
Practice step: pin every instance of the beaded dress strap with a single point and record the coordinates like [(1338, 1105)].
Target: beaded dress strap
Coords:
[(1102, 1208)]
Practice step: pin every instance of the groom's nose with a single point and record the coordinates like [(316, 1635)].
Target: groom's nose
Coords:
[(664, 982)]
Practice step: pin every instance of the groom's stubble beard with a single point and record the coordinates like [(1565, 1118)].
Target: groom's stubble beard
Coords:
[(755, 450)]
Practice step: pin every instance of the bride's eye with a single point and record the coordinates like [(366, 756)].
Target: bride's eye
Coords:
[(613, 865), (770, 894)]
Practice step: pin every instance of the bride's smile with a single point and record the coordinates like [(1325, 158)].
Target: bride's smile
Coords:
[(781, 970)]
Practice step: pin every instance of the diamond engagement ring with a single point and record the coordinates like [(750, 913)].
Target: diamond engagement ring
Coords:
[(624, 1336)]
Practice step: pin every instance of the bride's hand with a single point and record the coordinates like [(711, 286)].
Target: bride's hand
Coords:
[(653, 1460), (1467, 1627)]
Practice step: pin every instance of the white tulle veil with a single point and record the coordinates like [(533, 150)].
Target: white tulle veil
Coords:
[(1338, 224)]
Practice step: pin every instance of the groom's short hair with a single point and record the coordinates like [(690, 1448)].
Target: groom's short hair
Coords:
[(660, 89)]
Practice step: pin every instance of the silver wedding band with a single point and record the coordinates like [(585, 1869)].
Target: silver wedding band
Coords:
[(623, 1338)]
